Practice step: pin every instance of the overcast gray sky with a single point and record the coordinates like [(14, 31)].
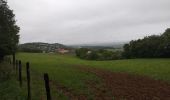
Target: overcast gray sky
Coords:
[(89, 21)]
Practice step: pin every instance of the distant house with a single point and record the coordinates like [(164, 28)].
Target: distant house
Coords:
[(89, 52), (62, 51)]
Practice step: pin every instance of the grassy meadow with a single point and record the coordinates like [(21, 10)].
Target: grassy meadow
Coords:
[(62, 70), (9, 88)]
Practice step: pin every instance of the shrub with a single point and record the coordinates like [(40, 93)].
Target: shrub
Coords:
[(101, 54)]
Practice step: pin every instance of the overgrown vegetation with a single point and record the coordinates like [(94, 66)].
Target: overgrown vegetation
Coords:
[(9, 87), (154, 46), (31, 50), (8, 30), (5, 71), (101, 54)]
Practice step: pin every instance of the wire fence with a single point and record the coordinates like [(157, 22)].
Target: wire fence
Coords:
[(17, 66)]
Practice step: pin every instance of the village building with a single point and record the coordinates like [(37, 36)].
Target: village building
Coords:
[(62, 51)]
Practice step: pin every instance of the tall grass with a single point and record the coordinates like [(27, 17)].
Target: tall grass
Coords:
[(9, 86)]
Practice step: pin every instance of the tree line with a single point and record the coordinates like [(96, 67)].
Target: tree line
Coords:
[(97, 54), (9, 37), (155, 46), (30, 50)]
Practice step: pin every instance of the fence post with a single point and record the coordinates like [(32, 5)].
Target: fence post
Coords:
[(16, 66), (20, 73), (8, 59), (28, 80), (10, 62), (13, 55), (46, 79)]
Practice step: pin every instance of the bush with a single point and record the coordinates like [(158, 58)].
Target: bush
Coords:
[(5, 71), (101, 54), (32, 50), (82, 52)]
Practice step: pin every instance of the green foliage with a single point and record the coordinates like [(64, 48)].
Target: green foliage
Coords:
[(10, 90), (100, 54), (149, 47), (8, 30), (31, 50), (166, 43), (82, 52), (41, 47), (9, 87), (5, 71)]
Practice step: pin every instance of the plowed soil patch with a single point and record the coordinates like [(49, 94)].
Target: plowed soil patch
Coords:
[(123, 86)]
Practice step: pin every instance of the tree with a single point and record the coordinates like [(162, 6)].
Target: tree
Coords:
[(82, 52), (149, 47), (9, 37), (166, 43)]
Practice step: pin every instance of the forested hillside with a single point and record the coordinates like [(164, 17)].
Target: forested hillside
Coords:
[(40, 47)]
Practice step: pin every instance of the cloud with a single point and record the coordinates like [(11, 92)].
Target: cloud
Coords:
[(86, 21)]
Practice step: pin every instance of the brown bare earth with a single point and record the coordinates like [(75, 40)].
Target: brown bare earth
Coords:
[(121, 86)]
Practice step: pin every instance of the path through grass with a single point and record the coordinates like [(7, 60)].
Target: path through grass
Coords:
[(62, 70)]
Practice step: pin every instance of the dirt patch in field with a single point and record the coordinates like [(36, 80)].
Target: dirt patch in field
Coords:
[(123, 86)]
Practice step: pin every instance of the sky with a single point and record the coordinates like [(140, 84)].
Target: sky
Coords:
[(89, 21)]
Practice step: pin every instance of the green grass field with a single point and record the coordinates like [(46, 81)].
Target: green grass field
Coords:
[(9, 89), (61, 70)]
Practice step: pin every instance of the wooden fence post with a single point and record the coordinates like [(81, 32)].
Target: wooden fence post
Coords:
[(16, 66), (28, 80), (46, 79), (13, 55), (20, 73), (10, 62)]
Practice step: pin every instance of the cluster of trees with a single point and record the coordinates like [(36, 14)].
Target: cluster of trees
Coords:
[(9, 37), (100, 54), (30, 50), (154, 46)]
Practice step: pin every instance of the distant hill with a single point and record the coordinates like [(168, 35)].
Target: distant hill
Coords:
[(41, 47), (115, 45)]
